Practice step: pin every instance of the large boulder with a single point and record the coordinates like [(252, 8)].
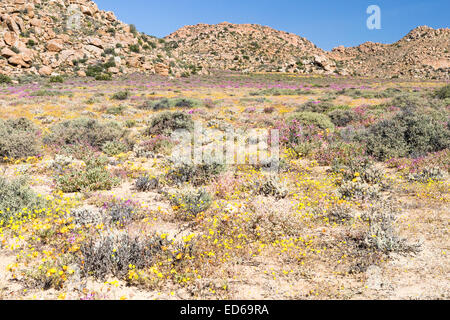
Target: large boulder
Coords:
[(10, 38), (162, 69), (54, 45), (18, 60), (45, 71)]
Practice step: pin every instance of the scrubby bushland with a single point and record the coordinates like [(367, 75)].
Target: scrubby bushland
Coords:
[(407, 134), (15, 195), (167, 122), (83, 130), (18, 139), (163, 104), (359, 93), (280, 92), (312, 118)]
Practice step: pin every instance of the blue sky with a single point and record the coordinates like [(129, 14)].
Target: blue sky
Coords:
[(327, 23)]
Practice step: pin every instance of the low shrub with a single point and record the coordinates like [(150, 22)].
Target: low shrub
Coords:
[(359, 190), (145, 183), (442, 93), (15, 196), (121, 95), (118, 110), (113, 255), (315, 106), (270, 185), (407, 134), (166, 122), (164, 104), (312, 118), (83, 130), (191, 202), (428, 174), (197, 174), (341, 118), (56, 79), (94, 176), (120, 212), (5, 79), (381, 235), (19, 138), (113, 148)]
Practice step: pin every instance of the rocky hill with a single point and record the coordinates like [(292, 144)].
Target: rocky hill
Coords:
[(74, 36), (248, 48), (422, 53)]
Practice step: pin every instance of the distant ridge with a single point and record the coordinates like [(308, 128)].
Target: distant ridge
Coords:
[(36, 38)]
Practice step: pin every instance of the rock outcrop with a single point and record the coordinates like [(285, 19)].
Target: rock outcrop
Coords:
[(67, 36)]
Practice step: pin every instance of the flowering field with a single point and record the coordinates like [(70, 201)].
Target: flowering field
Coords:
[(93, 204)]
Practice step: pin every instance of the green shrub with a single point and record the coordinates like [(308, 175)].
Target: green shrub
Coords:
[(414, 101), (341, 118), (50, 93), (121, 95), (197, 174), (280, 92), (312, 118), (5, 79), (113, 148), (163, 104), (103, 77), (116, 110), (312, 106), (15, 195), (155, 105), (442, 93), (134, 48), (407, 134), (191, 202), (185, 103), (165, 123), (84, 130), (56, 79), (18, 139), (94, 176), (99, 71)]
